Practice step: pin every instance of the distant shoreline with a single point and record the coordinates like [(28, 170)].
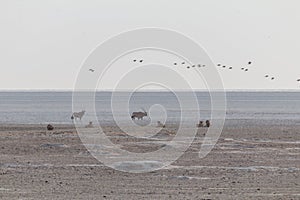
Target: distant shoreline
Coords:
[(163, 91), (228, 122)]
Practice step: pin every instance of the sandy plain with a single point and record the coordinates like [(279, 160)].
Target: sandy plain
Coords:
[(250, 161)]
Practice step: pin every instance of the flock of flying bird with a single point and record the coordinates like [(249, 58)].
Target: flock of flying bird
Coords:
[(246, 69)]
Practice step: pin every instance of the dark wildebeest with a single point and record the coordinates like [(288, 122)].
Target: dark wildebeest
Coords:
[(139, 115), (207, 123), (50, 127)]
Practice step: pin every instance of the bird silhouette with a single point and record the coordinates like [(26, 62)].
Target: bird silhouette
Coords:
[(298, 80), (219, 65), (91, 70)]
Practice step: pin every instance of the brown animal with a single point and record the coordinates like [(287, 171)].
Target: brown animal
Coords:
[(139, 115), (207, 123), (201, 124), (50, 127)]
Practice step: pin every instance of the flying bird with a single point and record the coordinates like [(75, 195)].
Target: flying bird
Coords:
[(188, 67), (230, 67), (242, 68), (175, 63), (246, 70), (141, 61), (183, 63), (134, 60), (199, 65), (266, 76), (91, 70), (298, 80), (272, 78), (219, 65), (249, 63), (224, 66)]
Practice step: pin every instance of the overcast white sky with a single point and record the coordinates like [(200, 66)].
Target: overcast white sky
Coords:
[(43, 43)]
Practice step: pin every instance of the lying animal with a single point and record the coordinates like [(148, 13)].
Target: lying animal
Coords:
[(159, 124), (90, 125), (77, 115)]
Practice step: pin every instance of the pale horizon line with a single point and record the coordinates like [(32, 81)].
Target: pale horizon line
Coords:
[(152, 90)]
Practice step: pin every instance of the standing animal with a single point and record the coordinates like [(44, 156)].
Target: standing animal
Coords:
[(78, 115), (50, 127), (200, 125), (139, 115), (207, 123)]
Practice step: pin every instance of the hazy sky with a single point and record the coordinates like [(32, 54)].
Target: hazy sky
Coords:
[(43, 43)]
